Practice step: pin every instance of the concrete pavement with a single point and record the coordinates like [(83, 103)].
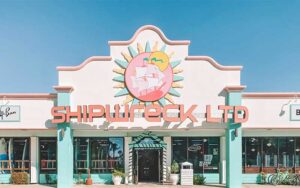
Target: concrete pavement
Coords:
[(143, 186)]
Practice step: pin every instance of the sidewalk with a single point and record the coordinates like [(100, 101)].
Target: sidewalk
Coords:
[(144, 186)]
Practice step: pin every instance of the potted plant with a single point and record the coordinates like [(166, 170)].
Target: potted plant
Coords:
[(89, 180), (20, 178), (117, 176), (174, 176)]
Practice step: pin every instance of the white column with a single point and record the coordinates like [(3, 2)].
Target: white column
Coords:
[(34, 160), (223, 160), (127, 141), (168, 141)]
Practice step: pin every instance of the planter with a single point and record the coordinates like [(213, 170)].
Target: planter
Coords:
[(89, 181), (253, 170), (117, 180), (174, 178)]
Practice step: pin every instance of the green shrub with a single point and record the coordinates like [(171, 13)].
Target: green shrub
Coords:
[(263, 177), (174, 167), (118, 173), (20, 178), (199, 180)]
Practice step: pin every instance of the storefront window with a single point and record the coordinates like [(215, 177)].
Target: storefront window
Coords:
[(203, 153), (101, 155), (14, 155), (212, 155), (179, 145), (252, 148), (268, 153), (196, 152), (81, 153), (48, 155), (286, 152), (297, 155)]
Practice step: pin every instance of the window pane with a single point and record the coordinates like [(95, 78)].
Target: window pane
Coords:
[(6, 154), (81, 153), (270, 151), (48, 155), (99, 150), (244, 153), (212, 154), (253, 152), (21, 148), (202, 152), (179, 147), (106, 154), (195, 152), (14, 154), (116, 153), (286, 152), (297, 157)]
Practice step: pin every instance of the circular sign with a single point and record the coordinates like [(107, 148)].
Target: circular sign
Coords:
[(149, 76)]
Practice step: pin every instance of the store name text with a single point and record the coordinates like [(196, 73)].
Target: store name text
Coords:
[(152, 113)]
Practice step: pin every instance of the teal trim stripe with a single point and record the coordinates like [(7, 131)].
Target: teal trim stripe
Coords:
[(148, 49), (119, 78), (163, 48), (121, 63), (177, 78), (175, 63), (173, 92), (135, 101), (122, 92), (133, 53), (162, 101)]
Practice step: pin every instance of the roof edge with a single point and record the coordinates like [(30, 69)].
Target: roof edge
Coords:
[(28, 96), (84, 63), (214, 63), (237, 88), (156, 30), (271, 95)]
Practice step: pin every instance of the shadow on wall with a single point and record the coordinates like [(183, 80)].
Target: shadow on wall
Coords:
[(165, 126)]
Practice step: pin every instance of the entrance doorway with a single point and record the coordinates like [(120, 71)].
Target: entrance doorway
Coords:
[(147, 154), (148, 165)]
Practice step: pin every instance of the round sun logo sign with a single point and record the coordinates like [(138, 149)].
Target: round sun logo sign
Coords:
[(147, 76)]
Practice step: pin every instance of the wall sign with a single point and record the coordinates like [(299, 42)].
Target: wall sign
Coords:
[(148, 78), (9, 113), (148, 75), (295, 112), (151, 113)]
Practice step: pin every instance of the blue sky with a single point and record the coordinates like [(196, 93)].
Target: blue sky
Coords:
[(38, 35)]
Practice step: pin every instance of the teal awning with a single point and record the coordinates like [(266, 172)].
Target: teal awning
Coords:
[(157, 142)]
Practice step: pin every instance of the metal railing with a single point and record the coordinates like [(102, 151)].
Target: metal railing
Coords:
[(15, 165), (48, 164)]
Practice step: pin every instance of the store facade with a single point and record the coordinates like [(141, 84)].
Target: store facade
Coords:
[(142, 107)]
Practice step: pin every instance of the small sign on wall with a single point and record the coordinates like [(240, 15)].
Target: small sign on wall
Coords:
[(9, 113), (295, 112)]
